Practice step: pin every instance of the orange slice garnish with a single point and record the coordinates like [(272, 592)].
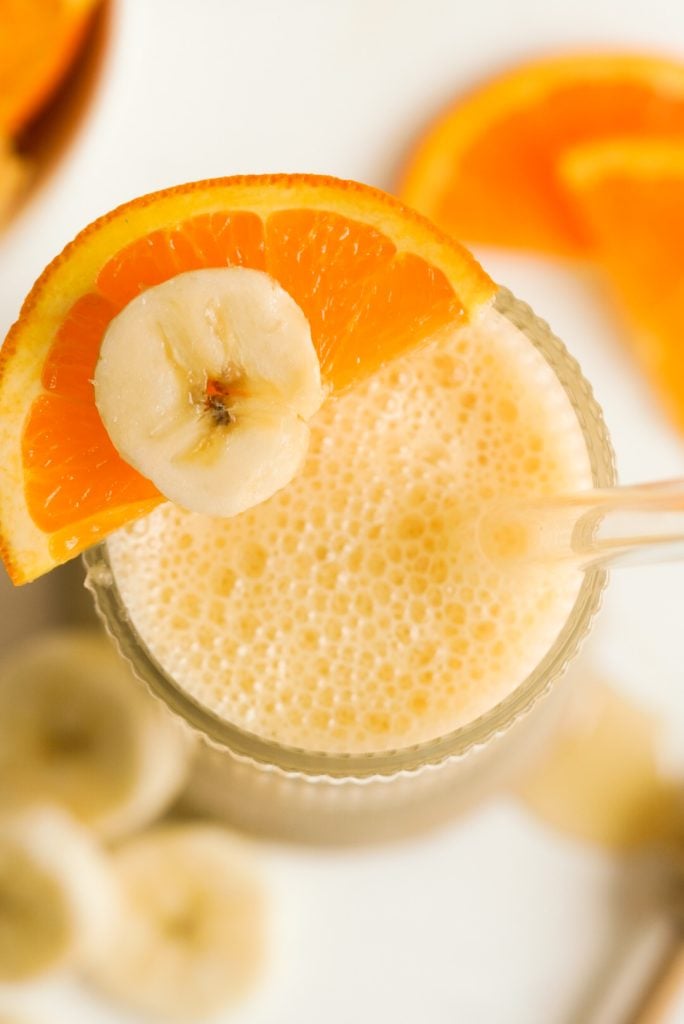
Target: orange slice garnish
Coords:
[(39, 40), (487, 169), (373, 278), (630, 194)]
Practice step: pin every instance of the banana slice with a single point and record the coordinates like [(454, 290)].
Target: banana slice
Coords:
[(78, 730), (58, 896), (205, 385), (191, 938)]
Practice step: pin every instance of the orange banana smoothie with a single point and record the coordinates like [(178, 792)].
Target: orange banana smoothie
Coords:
[(355, 611)]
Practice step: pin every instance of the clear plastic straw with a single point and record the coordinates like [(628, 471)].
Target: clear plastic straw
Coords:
[(619, 526)]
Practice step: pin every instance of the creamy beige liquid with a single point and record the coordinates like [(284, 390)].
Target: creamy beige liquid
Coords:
[(355, 611)]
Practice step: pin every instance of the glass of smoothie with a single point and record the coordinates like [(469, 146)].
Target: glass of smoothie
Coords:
[(351, 502), (357, 663)]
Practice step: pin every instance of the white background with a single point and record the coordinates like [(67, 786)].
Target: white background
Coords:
[(493, 920)]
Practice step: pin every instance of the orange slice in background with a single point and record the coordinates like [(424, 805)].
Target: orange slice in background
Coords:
[(39, 40), (630, 194), (487, 169), (373, 278), (13, 177)]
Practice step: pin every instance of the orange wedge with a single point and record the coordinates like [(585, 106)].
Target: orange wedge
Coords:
[(39, 40), (487, 169), (630, 194), (372, 277)]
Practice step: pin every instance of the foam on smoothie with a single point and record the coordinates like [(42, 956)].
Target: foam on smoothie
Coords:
[(355, 611)]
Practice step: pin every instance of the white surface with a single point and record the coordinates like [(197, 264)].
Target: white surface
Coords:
[(493, 921)]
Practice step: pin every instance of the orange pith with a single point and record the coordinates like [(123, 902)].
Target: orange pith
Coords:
[(487, 169), (38, 43), (630, 194), (373, 279)]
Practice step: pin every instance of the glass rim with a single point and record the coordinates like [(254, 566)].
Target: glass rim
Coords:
[(289, 760)]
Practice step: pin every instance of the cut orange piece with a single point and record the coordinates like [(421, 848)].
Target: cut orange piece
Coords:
[(630, 194), (487, 169), (39, 40), (13, 177), (373, 278)]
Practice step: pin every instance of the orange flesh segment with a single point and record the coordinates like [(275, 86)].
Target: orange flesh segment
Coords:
[(70, 365), (488, 170), (71, 468), (631, 197), (365, 303), (210, 240)]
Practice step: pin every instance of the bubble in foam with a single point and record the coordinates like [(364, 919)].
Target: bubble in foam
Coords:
[(354, 611)]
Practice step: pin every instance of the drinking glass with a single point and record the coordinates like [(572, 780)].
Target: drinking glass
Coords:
[(302, 794)]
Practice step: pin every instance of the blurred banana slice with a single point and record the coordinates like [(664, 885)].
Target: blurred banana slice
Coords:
[(191, 937), (58, 896), (78, 730)]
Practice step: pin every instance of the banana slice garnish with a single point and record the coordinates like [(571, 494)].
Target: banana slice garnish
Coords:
[(206, 384)]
